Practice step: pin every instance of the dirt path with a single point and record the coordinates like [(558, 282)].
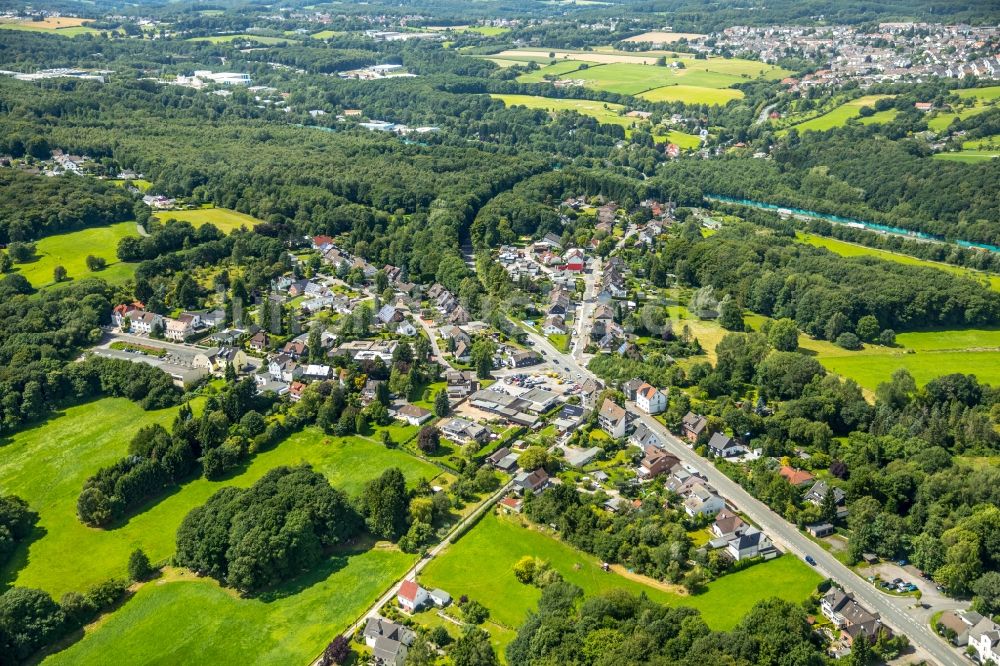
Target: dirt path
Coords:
[(651, 582)]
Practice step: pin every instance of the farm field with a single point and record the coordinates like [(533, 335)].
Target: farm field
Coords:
[(661, 37), (985, 99), (555, 69), (225, 39), (480, 565), (225, 219), (846, 249), (692, 94), (67, 26), (733, 66), (183, 619), (632, 79), (47, 466), (70, 251), (325, 34), (869, 370), (682, 139), (840, 115)]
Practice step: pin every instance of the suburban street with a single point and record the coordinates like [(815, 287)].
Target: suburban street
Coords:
[(891, 609)]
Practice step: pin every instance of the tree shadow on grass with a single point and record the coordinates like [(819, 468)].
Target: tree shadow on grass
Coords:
[(19, 559), (317, 574)]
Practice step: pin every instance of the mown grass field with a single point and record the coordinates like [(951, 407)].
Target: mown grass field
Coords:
[(846, 249), (225, 219), (985, 99), (682, 139), (870, 370), (47, 466), (632, 79), (70, 251), (692, 94), (183, 619), (555, 69), (839, 116), (325, 34), (480, 565), (733, 66)]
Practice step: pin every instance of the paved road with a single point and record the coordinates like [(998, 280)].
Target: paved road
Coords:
[(419, 566), (890, 609)]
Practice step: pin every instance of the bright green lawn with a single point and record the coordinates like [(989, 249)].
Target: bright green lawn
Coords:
[(845, 249), (555, 69), (969, 156), (682, 139), (70, 251), (325, 34), (984, 97), (488, 30), (480, 565), (631, 79), (225, 219), (869, 370), (195, 621), (47, 466), (841, 114), (603, 112), (692, 94)]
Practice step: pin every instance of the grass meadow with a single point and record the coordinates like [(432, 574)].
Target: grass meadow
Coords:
[(48, 464), (184, 619), (839, 116), (692, 94), (70, 251), (225, 219), (480, 565)]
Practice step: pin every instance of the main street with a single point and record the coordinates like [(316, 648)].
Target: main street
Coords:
[(783, 533)]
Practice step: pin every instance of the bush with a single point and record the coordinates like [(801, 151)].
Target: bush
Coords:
[(848, 341), (474, 612), (139, 568)]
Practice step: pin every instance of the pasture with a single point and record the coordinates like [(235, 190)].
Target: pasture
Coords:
[(682, 139), (603, 112), (480, 565), (632, 79), (737, 67), (839, 116), (325, 34), (70, 251), (870, 370), (224, 219), (47, 466), (977, 100), (68, 26), (183, 619), (692, 95), (554, 70)]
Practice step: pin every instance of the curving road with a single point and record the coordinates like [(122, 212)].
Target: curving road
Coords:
[(784, 534)]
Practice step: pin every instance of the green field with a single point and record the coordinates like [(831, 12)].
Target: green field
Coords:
[(692, 94), (682, 139), (70, 251), (603, 112), (555, 69), (225, 39), (325, 34), (47, 466), (488, 30), (841, 114), (976, 150), (195, 621), (845, 249), (985, 99), (225, 219), (480, 565), (870, 370), (632, 79), (31, 26)]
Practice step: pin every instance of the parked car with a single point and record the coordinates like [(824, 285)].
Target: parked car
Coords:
[(902, 563), (810, 560)]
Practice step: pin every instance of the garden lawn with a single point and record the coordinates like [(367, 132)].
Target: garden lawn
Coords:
[(689, 94), (846, 249), (480, 565), (47, 466), (225, 219), (188, 620), (70, 251)]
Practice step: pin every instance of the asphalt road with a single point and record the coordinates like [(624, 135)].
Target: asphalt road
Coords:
[(784, 534)]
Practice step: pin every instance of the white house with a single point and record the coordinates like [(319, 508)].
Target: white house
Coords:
[(612, 418), (984, 638), (703, 502), (413, 414), (723, 446), (411, 596), (649, 399), (751, 543)]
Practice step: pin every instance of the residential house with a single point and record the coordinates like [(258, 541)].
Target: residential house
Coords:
[(179, 329), (295, 391), (411, 597), (701, 501), (723, 446), (692, 425), (578, 456), (612, 418), (751, 543), (316, 372), (727, 524), (388, 315), (644, 437), (144, 322), (461, 383), (590, 390), (388, 641), (439, 597), (966, 626), (523, 358), (574, 260), (296, 348), (655, 463), (464, 432), (570, 417), (796, 477), (631, 388), (650, 399), (413, 414), (818, 492), (554, 325), (370, 390), (511, 505), (849, 616), (532, 482), (259, 342), (216, 360)]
